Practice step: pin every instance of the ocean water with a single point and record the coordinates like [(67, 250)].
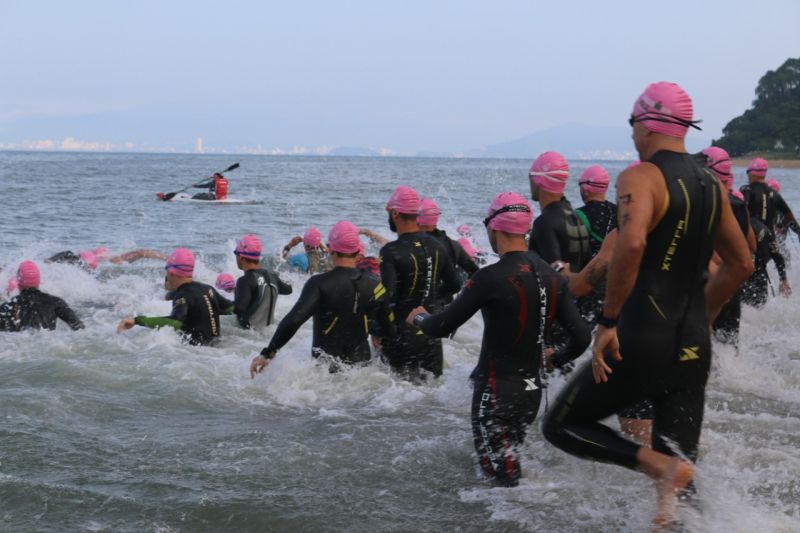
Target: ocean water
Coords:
[(139, 432)]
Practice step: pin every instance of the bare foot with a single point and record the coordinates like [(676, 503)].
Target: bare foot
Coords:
[(675, 477)]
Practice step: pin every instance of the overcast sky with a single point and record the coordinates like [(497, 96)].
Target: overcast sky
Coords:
[(410, 75)]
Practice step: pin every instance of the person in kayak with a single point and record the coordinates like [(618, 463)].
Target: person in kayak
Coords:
[(32, 308), (217, 188), (195, 306), (257, 290)]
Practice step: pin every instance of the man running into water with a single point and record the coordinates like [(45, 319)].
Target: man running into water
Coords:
[(257, 290), (314, 259), (32, 308), (672, 215), (416, 270), (195, 306), (427, 220), (519, 297), (343, 302)]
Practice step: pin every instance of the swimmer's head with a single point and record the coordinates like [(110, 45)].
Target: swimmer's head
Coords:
[(102, 253), (509, 212), (249, 247), (428, 214), (758, 167), (594, 180), (312, 238), (464, 230), (774, 184), (28, 276), (343, 239), (225, 282), (664, 108), (89, 259), (549, 172), (404, 200), (180, 263), (719, 163)]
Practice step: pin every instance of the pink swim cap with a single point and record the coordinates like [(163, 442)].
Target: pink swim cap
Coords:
[(428, 213), (464, 230), (102, 253), (758, 167), (181, 263), (312, 237), (467, 246), (774, 184), (89, 259), (225, 282), (28, 275), (737, 194), (594, 179), (664, 108), (249, 247), (549, 172), (343, 238), (511, 213), (719, 163), (633, 164), (404, 200), (12, 285)]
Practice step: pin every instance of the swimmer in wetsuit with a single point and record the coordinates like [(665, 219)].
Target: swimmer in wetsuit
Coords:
[(346, 303), (519, 298), (257, 290), (672, 215), (416, 270), (32, 308), (195, 306)]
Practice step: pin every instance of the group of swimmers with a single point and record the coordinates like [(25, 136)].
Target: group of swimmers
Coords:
[(651, 273)]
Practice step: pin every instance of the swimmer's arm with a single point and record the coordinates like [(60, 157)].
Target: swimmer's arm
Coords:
[(226, 307), (388, 273), (307, 304), (65, 313), (582, 283), (466, 304), (283, 287), (297, 239), (447, 273), (374, 237), (544, 241), (382, 314), (784, 208), (241, 300), (579, 335), (780, 263), (155, 322), (736, 266), (135, 255)]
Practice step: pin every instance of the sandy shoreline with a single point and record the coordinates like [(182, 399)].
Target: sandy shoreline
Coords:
[(773, 163)]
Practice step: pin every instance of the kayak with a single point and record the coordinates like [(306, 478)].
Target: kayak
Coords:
[(183, 197)]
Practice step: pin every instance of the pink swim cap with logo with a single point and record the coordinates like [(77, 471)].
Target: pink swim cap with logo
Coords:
[(28, 275), (181, 263), (312, 237), (225, 282), (516, 213), (664, 108), (249, 246), (719, 163), (758, 167), (404, 200), (549, 172), (594, 179), (774, 184), (343, 238), (428, 214)]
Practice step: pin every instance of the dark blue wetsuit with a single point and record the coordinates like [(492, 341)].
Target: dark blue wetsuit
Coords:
[(726, 325), (663, 333), (34, 309), (347, 304), (255, 297), (519, 298), (416, 270)]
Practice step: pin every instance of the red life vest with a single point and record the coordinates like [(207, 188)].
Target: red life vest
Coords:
[(220, 188)]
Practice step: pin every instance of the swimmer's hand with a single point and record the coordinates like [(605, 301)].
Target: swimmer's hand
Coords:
[(785, 289), (605, 342), (414, 312), (258, 364), (376, 342), (125, 323)]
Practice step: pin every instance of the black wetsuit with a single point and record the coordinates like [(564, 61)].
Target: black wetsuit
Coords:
[(726, 325), (599, 218), (210, 195), (195, 311), (70, 258), (34, 309), (755, 290), (255, 297), (662, 330), (465, 267), (558, 235), (519, 297), (346, 304), (416, 270)]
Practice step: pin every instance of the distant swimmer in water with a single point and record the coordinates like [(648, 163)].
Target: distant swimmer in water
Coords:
[(195, 306), (314, 259), (468, 243), (90, 259), (32, 308), (346, 304), (653, 337), (217, 188), (225, 282), (257, 290), (416, 271), (519, 297), (428, 220)]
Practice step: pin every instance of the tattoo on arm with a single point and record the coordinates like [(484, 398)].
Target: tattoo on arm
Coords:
[(596, 274), (626, 199), (626, 217)]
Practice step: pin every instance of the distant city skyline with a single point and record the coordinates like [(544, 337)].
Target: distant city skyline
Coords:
[(418, 77)]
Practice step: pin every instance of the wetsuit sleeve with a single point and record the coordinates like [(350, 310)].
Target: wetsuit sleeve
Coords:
[(464, 261), (451, 283), (283, 287), (205, 185), (777, 256), (241, 300), (65, 313), (305, 307), (226, 307), (786, 211), (578, 333), (544, 241), (388, 273), (176, 319), (466, 304), (382, 315)]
